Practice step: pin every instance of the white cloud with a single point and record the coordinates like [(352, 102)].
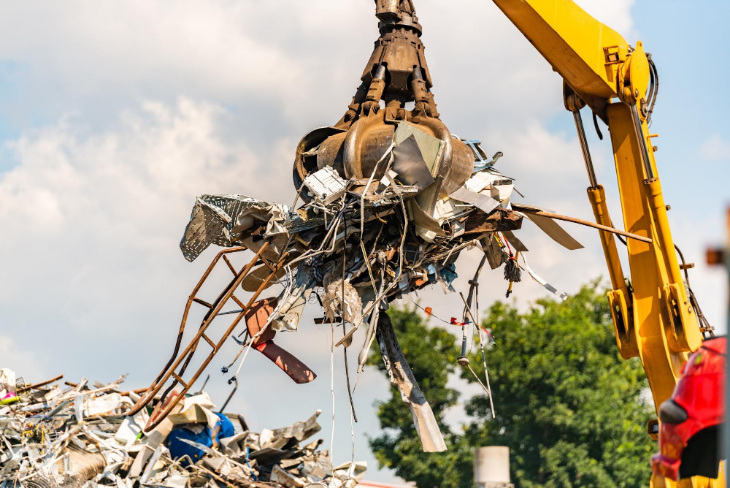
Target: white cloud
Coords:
[(616, 15), (715, 148), (22, 360), (95, 217), (194, 41), (287, 63)]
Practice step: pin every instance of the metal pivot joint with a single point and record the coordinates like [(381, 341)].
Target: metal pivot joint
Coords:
[(574, 103)]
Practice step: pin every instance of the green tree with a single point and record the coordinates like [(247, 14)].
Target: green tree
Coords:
[(432, 355), (568, 407)]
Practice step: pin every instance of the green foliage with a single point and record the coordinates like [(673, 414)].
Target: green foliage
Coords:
[(569, 408)]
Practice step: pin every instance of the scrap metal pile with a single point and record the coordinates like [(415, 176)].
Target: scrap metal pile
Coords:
[(364, 242), (79, 435)]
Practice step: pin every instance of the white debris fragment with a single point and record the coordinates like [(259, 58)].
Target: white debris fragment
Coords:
[(326, 185)]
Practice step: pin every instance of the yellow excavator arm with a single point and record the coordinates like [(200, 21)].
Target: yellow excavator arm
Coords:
[(653, 313)]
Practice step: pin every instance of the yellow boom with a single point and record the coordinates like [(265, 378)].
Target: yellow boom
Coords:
[(653, 315)]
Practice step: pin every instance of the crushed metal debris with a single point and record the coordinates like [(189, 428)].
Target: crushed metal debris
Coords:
[(78, 435), (389, 198)]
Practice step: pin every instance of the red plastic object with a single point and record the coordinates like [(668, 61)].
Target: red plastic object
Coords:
[(700, 395), (288, 363), (256, 318)]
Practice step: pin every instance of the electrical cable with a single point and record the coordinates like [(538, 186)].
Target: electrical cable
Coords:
[(654, 91), (482, 344), (474, 289), (705, 325), (431, 314), (332, 390), (595, 124), (344, 322), (474, 282), (487, 388)]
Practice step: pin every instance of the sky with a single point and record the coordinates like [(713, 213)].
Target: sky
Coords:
[(115, 115)]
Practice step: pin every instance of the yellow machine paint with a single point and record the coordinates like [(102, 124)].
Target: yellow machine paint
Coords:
[(653, 317)]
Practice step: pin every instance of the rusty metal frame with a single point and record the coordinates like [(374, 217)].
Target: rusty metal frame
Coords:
[(172, 374)]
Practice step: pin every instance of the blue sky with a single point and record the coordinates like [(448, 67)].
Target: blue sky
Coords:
[(113, 116)]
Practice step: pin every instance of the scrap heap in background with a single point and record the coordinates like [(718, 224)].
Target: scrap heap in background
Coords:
[(390, 199), (80, 436)]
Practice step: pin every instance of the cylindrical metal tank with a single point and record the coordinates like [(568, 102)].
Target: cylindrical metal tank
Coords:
[(491, 467)]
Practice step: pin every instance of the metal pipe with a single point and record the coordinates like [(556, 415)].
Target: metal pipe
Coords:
[(597, 197), (233, 380), (584, 147), (575, 220), (463, 340), (643, 148)]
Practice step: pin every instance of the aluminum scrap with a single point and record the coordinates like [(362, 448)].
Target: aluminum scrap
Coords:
[(78, 435)]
